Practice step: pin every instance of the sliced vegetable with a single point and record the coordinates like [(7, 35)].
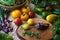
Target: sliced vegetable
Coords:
[(37, 36), (24, 33), (31, 34)]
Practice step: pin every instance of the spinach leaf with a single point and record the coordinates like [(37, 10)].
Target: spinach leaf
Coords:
[(7, 2)]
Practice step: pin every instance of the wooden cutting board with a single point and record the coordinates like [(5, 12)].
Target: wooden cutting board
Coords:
[(45, 35)]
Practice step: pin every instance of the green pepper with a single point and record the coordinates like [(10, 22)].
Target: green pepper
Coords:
[(56, 37), (38, 10), (45, 14), (4, 36)]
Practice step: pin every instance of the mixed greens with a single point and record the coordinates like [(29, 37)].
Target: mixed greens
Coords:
[(4, 36), (43, 3), (11, 2), (31, 34), (4, 22), (3, 14), (46, 9), (56, 28)]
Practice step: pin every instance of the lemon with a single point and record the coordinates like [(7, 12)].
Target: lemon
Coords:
[(51, 17), (16, 14)]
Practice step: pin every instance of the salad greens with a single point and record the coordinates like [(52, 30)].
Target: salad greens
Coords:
[(56, 28), (3, 14), (43, 3), (39, 3), (7, 2), (11, 2), (31, 34), (4, 36)]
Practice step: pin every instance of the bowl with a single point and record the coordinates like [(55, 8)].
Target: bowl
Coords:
[(12, 7)]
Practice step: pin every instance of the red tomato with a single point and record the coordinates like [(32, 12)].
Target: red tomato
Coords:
[(18, 21), (31, 14)]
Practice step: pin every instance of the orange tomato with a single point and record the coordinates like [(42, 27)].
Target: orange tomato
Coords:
[(16, 14), (24, 16)]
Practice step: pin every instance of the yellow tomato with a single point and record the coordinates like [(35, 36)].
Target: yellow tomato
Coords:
[(24, 10), (30, 21), (50, 17), (28, 9), (16, 14)]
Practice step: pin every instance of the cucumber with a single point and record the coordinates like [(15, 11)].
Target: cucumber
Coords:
[(4, 36)]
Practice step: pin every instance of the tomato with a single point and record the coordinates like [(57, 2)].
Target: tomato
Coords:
[(25, 26), (30, 21), (16, 14), (18, 21), (31, 14), (24, 16), (28, 9), (24, 10)]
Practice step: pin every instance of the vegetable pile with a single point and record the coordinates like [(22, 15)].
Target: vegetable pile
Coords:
[(50, 13), (4, 22), (23, 15), (43, 3), (56, 28)]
